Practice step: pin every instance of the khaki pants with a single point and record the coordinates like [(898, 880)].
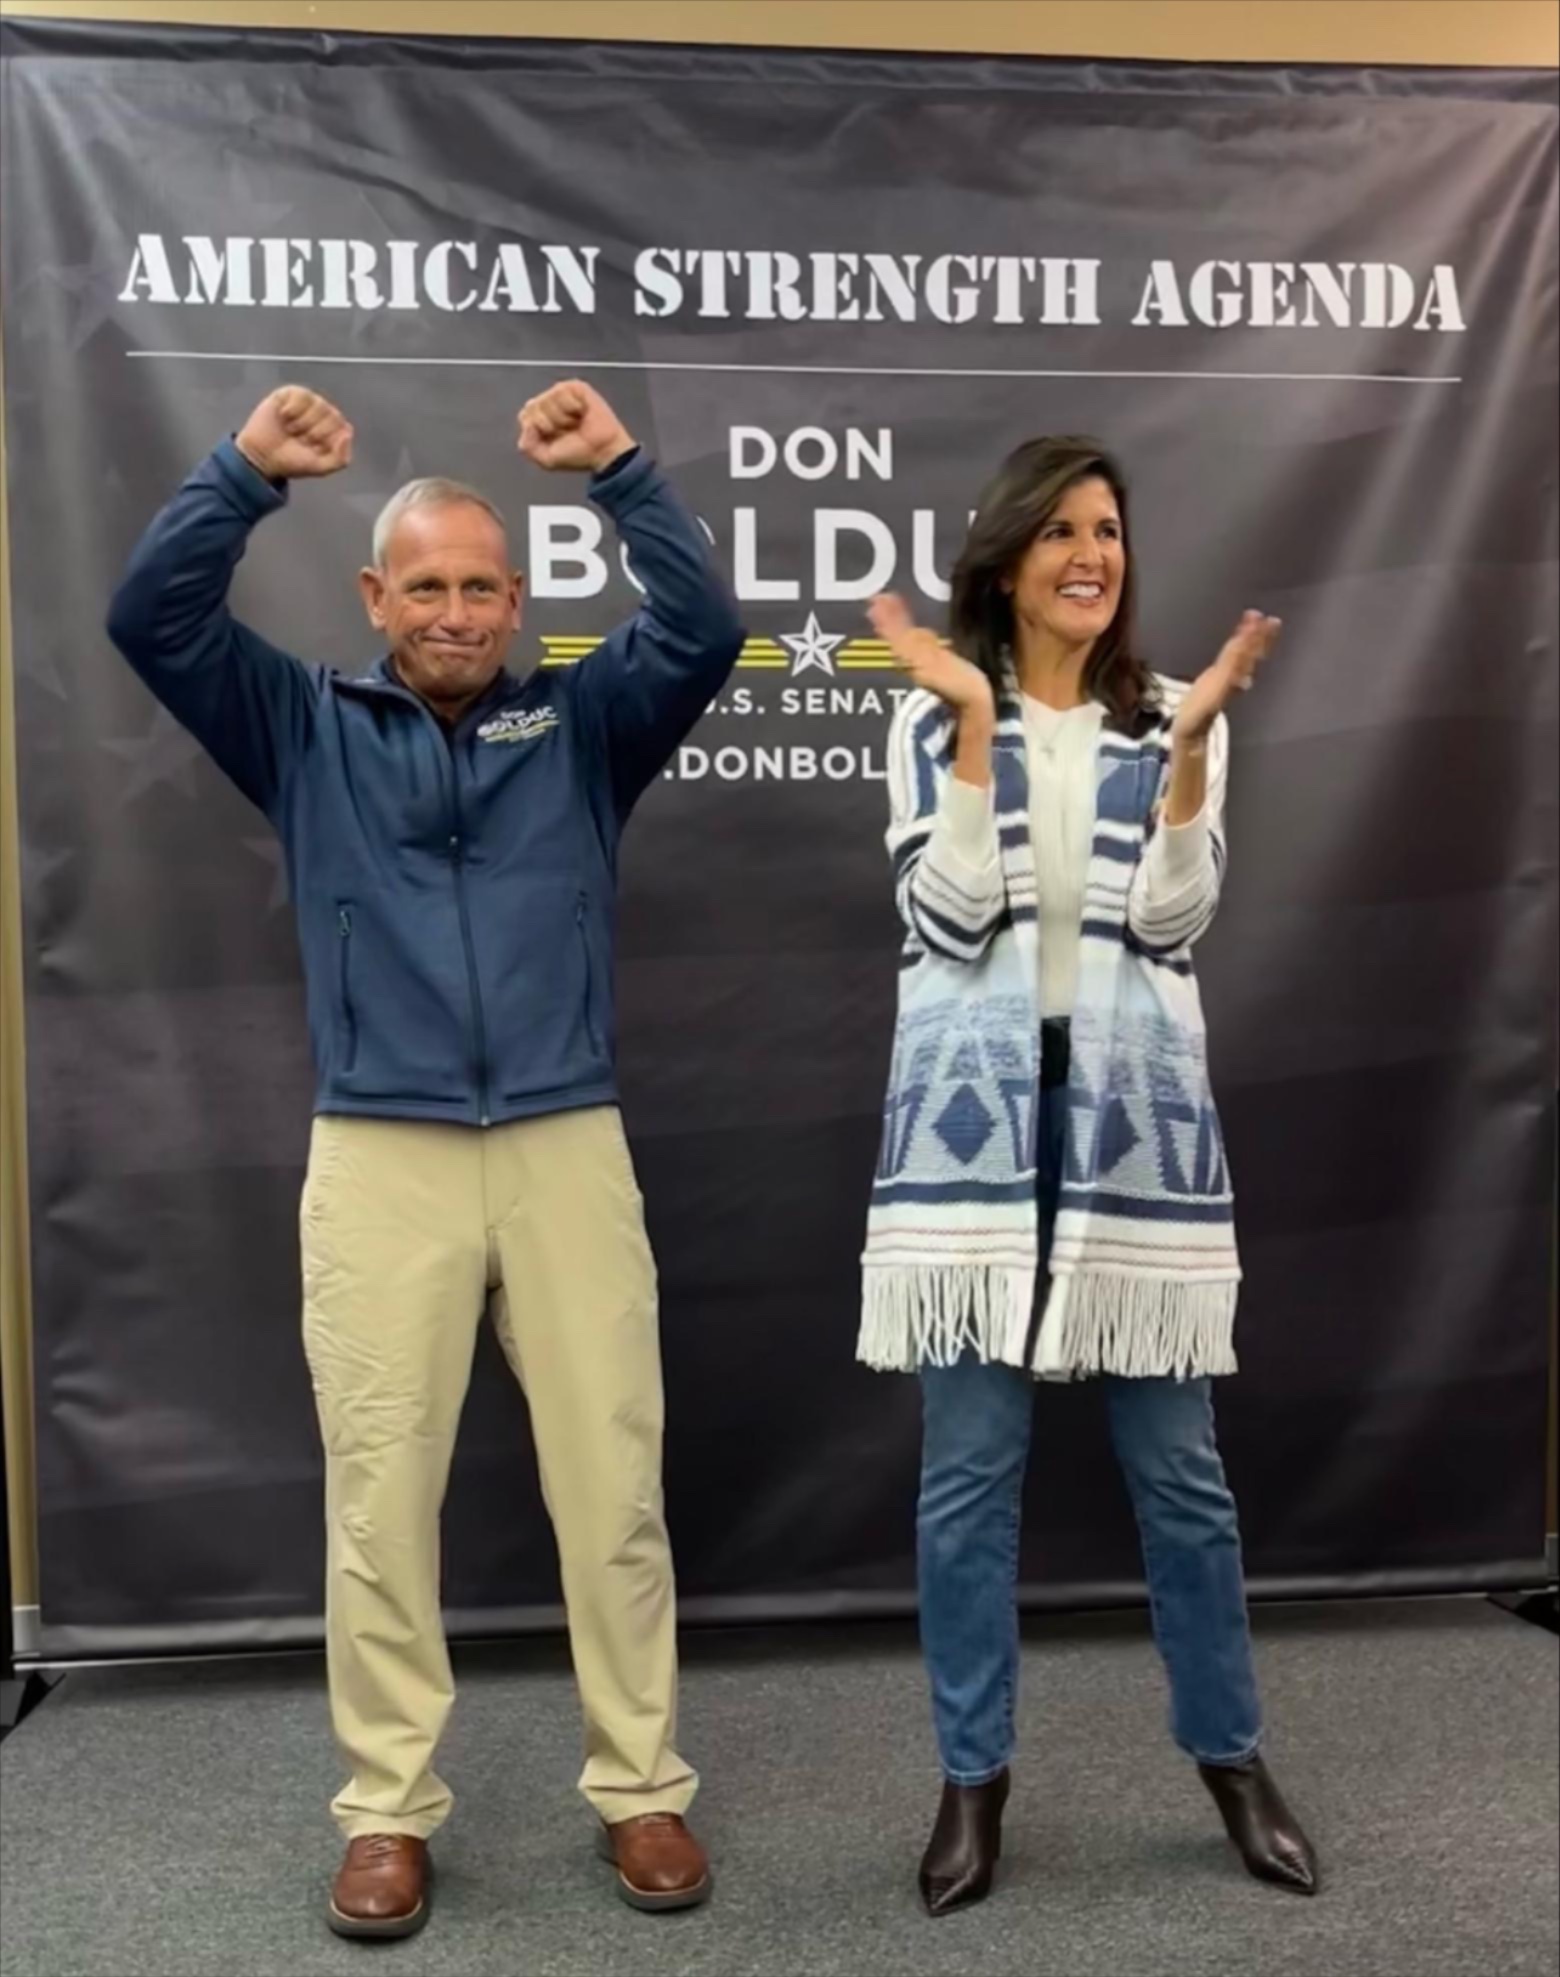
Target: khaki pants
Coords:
[(408, 1231)]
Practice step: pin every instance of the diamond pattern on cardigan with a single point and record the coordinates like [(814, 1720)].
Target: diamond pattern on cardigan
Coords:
[(964, 1125)]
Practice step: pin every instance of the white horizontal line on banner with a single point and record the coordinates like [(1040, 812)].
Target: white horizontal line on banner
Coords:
[(571, 364)]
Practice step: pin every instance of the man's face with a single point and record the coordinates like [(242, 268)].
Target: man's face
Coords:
[(447, 602)]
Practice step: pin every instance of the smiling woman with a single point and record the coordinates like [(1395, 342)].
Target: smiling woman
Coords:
[(1051, 1196), (1048, 552)]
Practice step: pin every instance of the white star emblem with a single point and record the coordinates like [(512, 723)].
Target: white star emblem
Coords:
[(813, 647)]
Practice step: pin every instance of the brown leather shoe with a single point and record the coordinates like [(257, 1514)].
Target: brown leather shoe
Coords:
[(382, 1889), (659, 1863)]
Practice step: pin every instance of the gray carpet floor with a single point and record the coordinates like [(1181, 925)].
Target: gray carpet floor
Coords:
[(164, 1821)]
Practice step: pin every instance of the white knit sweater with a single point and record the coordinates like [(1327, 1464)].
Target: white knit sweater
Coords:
[(1061, 747)]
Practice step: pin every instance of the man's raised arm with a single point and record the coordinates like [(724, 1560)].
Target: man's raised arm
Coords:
[(246, 701)]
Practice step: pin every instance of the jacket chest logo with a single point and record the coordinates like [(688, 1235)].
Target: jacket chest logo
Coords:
[(518, 724)]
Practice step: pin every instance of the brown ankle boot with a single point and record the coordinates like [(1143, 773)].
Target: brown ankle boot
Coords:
[(382, 1888)]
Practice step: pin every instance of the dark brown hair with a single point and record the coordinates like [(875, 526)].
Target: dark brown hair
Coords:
[(1016, 504)]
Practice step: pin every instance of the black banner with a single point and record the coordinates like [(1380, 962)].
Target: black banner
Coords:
[(1315, 311)]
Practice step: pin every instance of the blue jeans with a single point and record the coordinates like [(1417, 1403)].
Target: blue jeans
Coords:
[(975, 1440)]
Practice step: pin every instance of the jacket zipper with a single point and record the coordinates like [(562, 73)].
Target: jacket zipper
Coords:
[(457, 850), (456, 847), (591, 1031), (344, 981)]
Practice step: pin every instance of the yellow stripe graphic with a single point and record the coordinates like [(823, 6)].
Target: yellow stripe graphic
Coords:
[(860, 655)]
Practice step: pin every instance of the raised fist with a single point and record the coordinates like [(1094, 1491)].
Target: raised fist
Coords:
[(570, 425), (295, 435)]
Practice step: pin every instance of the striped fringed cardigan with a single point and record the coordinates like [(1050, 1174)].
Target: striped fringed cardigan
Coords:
[(1143, 1270)]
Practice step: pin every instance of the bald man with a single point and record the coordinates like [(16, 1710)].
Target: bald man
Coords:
[(452, 832)]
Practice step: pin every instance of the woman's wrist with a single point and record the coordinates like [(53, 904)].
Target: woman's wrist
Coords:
[(977, 731), (976, 718)]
